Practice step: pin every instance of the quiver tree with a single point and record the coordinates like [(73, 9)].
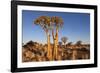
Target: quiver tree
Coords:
[(50, 23), (45, 23), (57, 23), (69, 44), (79, 43), (64, 40)]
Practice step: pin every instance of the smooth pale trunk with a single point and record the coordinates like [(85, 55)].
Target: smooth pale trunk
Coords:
[(56, 44), (49, 50), (55, 39)]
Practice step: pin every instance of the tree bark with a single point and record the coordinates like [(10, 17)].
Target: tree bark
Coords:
[(55, 41), (53, 44), (49, 51)]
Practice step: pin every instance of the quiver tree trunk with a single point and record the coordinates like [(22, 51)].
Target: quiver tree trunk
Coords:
[(56, 43), (55, 40), (49, 50)]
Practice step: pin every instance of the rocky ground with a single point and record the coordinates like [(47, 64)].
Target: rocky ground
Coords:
[(33, 51)]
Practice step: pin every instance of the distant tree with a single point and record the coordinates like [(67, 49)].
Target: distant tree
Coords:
[(60, 43), (30, 42), (64, 40), (69, 43), (22, 44), (79, 43)]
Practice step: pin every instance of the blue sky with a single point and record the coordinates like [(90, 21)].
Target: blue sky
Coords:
[(76, 26)]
